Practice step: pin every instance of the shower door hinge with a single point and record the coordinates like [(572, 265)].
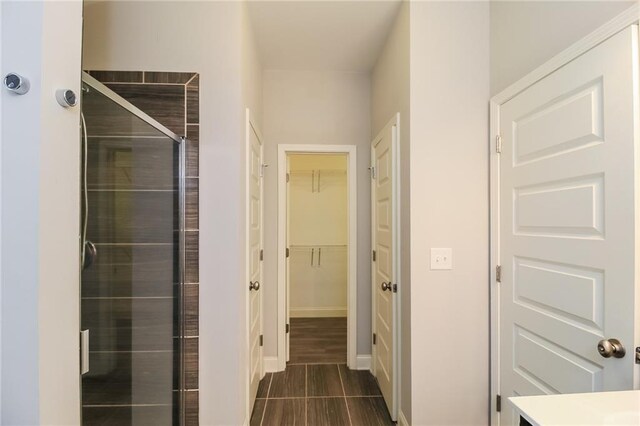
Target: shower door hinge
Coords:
[(499, 273), (374, 338), (261, 340), (261, 254), (499, 144), (373, 255), (498, 403), (286, 328)]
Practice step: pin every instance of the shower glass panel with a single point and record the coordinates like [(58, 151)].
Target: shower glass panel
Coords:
[(131, 289)]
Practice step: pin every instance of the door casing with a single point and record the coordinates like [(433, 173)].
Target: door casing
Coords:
[(352, 279), (622, 21)]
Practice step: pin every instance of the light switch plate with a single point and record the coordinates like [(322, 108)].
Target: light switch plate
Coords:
[(441, 258)]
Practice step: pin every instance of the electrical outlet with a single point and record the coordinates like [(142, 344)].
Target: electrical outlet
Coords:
[(441, 258)]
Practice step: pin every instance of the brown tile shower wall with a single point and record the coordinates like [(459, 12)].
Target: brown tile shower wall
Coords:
[(172, 98)]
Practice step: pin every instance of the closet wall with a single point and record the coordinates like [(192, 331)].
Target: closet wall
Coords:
[(318, 235)]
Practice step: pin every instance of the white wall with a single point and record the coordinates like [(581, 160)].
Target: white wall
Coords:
[(312, 107), (208, 38), (390, 95), (40, 218), (318, 223), (449, 208), (525, 34)]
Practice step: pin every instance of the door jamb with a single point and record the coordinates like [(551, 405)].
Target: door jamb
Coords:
[(628, 17), (352, 280), (250, 126)]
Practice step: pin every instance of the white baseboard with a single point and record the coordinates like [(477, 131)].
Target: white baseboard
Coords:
[(270, 364), (402, 420), (363, 362), (324, 312)]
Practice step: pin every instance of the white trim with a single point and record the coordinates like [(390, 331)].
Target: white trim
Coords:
[(617, 24), (270, 364), (249, 127), (402, 420), (363, 362), (352, 281), (324, 312)]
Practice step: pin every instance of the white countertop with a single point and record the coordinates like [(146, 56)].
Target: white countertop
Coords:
[(599, 408)]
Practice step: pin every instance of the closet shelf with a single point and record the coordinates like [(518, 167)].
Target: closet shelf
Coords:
[(316, 171), (316, 245)]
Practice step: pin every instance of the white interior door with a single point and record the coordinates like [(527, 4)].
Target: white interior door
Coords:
[(567, 227), (288, 264), (384, 220), (255, 255)]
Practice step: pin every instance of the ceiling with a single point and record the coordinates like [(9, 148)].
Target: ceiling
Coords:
[(321, 35)]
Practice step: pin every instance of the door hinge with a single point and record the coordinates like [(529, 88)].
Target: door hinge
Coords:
[(394, 288), (638, 355), (498, 403), (499, 273), (261, 340), (373, 255), (286, 252), (374, 338), (288, 177), (286, 328), (373, 172), (499, 144), (261, 254)]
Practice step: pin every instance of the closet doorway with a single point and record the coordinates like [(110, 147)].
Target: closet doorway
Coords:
[(317, 265)]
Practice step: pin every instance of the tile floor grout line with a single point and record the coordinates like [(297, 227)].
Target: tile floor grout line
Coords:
[(266, 400), (264, 411), (324, 397), (269, 387), (346, 404)]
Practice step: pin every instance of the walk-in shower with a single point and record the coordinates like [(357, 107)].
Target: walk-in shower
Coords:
[(132, 289)]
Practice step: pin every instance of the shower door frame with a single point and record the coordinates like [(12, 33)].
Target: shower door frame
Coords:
[(181, 141)]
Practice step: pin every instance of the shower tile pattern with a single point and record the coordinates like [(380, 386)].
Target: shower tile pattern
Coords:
[(172, 99)]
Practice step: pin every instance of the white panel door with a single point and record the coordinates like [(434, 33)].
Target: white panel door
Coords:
[(384, 199), (255, 261), (567, 226), (287, 265)]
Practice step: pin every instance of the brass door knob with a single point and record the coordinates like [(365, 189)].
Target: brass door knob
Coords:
[(611, 348), (254, 285), (386, 286)]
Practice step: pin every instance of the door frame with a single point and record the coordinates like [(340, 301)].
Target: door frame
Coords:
[(250, 126), (629, 17), (352, 275), (397, 299)]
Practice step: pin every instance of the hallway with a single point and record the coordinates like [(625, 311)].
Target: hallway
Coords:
[(319, 394), (317, 388)]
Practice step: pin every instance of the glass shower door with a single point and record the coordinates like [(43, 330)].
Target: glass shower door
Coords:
[(130, 292)]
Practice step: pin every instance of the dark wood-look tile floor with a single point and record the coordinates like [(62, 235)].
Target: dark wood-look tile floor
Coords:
[(319, 395), (318, 340)]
